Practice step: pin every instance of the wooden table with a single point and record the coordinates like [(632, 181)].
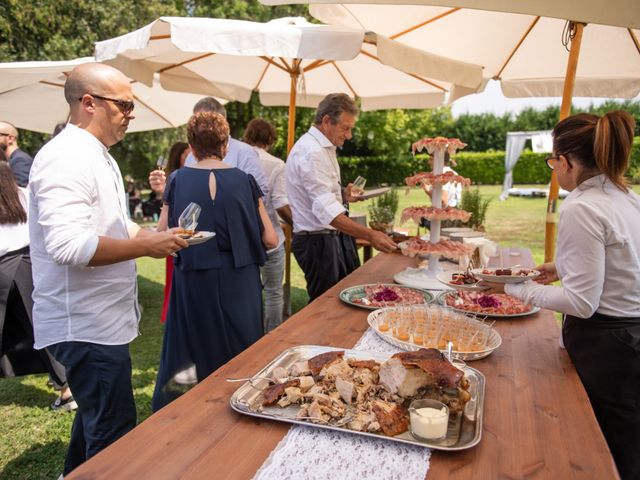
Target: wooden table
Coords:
[(538, 422)]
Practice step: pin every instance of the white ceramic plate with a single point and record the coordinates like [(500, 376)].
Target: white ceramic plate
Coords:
[(442, 301), (445, 277), (504, 278), (354, 295), (200, 237)]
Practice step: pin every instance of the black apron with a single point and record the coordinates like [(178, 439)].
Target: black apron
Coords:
[(17, 355), (606, 353)]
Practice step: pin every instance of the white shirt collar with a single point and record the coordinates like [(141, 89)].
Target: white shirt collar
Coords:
[(321, 138)]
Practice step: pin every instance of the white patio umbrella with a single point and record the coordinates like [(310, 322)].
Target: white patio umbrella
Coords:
[(288, 61), (622, 13), (530, 54), (32, 98)]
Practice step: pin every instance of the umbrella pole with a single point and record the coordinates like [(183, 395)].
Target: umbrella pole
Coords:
[(291, 132), (565, 111)]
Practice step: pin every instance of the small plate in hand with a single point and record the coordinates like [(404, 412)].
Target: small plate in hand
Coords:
[(446, 277), (199, 237), (376, 192), (518, 275)]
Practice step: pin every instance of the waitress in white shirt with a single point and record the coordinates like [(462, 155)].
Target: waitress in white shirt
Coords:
[(17, 355), (598, 264)]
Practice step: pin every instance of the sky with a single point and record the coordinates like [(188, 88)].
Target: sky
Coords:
[(491, 100)]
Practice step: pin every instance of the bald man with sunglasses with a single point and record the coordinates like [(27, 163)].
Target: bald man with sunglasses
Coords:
[(83, 247)]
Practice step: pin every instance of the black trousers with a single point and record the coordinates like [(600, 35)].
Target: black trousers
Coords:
[(100, 379), (606, 354), (325, 259)]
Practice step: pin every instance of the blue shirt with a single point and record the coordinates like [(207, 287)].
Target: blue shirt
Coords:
[(20, 164)]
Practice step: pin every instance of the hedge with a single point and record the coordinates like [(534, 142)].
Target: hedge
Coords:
[(483, 168)]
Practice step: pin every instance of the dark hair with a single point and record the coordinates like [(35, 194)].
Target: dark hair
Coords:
[(260, 133), (333, 105), (11, 209), (3, 156), (208, 133), (209, 104), (175, 152), (58, 128), (599, 144)]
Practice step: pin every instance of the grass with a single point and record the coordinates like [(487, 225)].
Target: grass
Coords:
[(34, 438)]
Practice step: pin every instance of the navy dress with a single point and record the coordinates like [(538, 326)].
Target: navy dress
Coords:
[(215, 306)]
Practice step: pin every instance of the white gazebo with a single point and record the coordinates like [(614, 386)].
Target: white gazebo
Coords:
[(541, 142)]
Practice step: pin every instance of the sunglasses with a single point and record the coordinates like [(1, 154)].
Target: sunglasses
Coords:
[(556, 157), (125, 106)]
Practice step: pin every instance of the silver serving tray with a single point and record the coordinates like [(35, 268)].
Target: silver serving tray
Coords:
[(465, 430)]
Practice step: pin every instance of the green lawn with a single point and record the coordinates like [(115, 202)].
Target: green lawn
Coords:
[(34, 438)]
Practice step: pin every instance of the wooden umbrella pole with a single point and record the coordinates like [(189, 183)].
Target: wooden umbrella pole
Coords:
[(565, 111), (291, 132)]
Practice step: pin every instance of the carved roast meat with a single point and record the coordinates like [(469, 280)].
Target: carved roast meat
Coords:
[(366, 395), (425, 373)]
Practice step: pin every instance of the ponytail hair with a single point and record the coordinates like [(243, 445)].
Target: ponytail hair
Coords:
[(599, 144)]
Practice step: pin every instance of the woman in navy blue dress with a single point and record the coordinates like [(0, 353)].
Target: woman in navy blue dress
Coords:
[(216, 296)]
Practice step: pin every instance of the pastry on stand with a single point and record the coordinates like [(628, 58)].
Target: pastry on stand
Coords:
[(433, 248)]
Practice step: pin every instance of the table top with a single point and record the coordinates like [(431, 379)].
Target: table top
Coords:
[(538, 422)]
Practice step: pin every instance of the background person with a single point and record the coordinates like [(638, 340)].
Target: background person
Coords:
[(215, 308), (239, 154), (82, 248), (323, 241), (17, 355), (177, 156), (19, 161), (598, 262), (262, 135)]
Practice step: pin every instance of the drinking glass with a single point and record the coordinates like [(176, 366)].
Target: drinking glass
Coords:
[(357, 188), (189, 217), (161, 163)]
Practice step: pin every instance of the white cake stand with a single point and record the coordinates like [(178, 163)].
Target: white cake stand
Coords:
[(425, 277)]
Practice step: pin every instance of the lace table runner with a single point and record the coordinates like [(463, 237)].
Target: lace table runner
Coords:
[(314, 453)]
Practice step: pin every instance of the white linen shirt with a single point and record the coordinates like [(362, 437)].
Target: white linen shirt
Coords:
[(14, 236), (274, 171), (244, 157), (77, 195), (313, 182), (598, 257)]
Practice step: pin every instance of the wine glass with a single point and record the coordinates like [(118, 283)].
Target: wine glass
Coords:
[(357, 187), (188, 219), (161, 163)]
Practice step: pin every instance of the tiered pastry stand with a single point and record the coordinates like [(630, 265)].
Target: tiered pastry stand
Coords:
[(425, 277)]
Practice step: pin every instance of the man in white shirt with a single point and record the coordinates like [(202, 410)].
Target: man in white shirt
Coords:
[(82, 249), (323, 243)]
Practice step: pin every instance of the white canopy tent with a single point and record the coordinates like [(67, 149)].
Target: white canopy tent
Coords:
[(541, 141)]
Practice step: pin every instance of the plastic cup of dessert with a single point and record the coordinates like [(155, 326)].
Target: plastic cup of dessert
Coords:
[(429, 419)]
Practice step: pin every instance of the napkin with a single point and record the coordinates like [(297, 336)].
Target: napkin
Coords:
[(485, 248)]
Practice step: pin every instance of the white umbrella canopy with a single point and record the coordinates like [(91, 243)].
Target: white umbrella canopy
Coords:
[(32, 98), (288, 61), (524, 52), (621, 13), (530, 54)]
